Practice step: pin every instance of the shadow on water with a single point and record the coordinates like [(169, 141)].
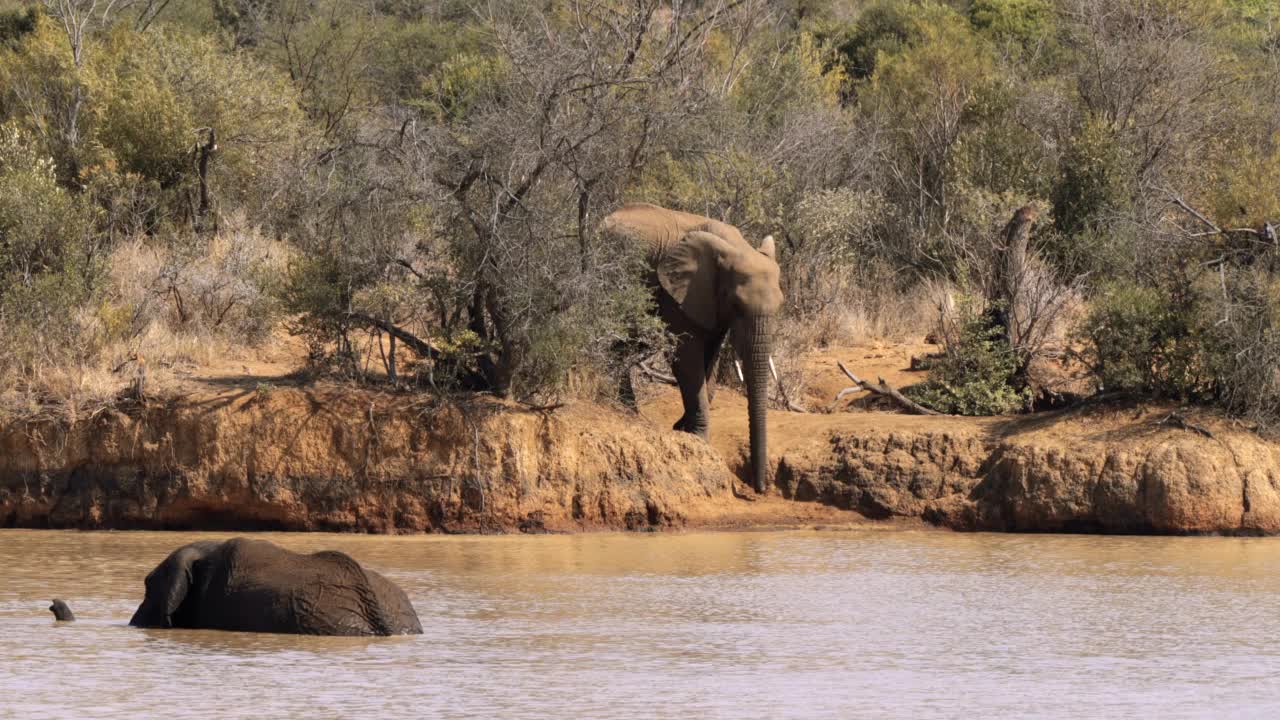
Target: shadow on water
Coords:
[(220, 642)]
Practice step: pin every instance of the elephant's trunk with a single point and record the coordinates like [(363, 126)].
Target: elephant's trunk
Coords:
[(757, 346)]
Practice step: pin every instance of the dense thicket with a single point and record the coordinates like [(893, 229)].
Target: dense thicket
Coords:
[(176, 173)]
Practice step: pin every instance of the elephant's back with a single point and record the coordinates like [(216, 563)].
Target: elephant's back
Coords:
[(656, 228), (386, 607), (323, 593), (249, 587), (651, 227), (398, 612)]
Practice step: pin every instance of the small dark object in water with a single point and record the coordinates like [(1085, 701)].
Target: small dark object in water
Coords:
[(61, 611)]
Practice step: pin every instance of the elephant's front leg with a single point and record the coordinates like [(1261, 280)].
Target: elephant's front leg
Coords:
[(690, 371)]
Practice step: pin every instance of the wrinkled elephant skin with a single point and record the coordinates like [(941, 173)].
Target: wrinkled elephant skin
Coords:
[(709, 282), (257, 586)]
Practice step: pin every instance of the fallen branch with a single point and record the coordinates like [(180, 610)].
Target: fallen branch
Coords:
[(417, 344), (882, 389), (926, 362), (657, 375), (547, 408), (1213, 227), (782, 389), (1176, 420)]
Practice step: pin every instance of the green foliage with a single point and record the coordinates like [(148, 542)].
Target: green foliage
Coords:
[(886, 28), (146, 126), (1245, 188), (167, 86), (1095, 178), (458, 84), (42, 91), (407, 58), (48, 267), (1148, 340), (1020, 22), (43, 228), (977, 372), (928, 95), (999, 151), (799, 78), (140, 101), (16, 23), (753, 189)]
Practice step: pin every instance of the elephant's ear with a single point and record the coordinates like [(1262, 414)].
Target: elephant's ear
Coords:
[(688, 271), (175, 595), (180, 575)]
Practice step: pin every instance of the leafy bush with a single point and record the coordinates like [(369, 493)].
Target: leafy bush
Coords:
[(831, 259), (43, 228), (976, 374), (1095, 178), (48, 262), (1147, 339), (1023, 22), (1246, 348)]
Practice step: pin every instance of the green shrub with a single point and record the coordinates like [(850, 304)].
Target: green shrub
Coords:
[(1023, 22), (48, 259), (1094, 180), (16, 23), (1244, 347), (1149, 340), (977, 373), (43, 228)]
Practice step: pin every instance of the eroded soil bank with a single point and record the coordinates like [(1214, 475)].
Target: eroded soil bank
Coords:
[(315, 458), (346, 460), (1112, 470)]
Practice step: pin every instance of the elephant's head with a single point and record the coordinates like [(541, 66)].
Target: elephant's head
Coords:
[(724, 283), (169, 587)]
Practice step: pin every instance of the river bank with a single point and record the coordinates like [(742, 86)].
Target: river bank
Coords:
[(326, 457)]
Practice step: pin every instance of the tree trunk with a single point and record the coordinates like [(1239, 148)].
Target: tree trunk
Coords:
[(203, 152), (1011, 268)]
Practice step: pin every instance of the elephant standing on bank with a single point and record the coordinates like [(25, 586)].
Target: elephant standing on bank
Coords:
[(709, 281), (257, 586)]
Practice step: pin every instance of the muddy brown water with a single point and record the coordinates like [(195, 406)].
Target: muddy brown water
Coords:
[(719, 625)]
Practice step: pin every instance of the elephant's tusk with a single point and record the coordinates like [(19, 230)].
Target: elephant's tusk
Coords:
[(774, 369), (738, 364)]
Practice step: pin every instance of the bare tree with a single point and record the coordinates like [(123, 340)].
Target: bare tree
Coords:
[(580, 106), (80, 19)]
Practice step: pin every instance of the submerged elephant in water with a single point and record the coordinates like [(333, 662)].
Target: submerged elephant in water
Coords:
[(708, 280), (257, 586)]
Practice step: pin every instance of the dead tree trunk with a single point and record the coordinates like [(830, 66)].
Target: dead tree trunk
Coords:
[(203, 151), (1005, 295)]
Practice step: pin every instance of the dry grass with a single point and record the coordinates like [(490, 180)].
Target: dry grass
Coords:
[(162, 309)]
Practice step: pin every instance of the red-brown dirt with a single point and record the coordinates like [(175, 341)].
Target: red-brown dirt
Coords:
[(244, 447)]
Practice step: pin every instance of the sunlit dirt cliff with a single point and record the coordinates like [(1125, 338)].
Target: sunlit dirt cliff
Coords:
[(242, 453)]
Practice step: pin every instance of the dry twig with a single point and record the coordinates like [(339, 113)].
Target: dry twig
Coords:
[(1174, 419), (657, 375)]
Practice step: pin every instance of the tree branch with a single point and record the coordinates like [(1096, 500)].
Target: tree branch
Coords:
[(883, 389)]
